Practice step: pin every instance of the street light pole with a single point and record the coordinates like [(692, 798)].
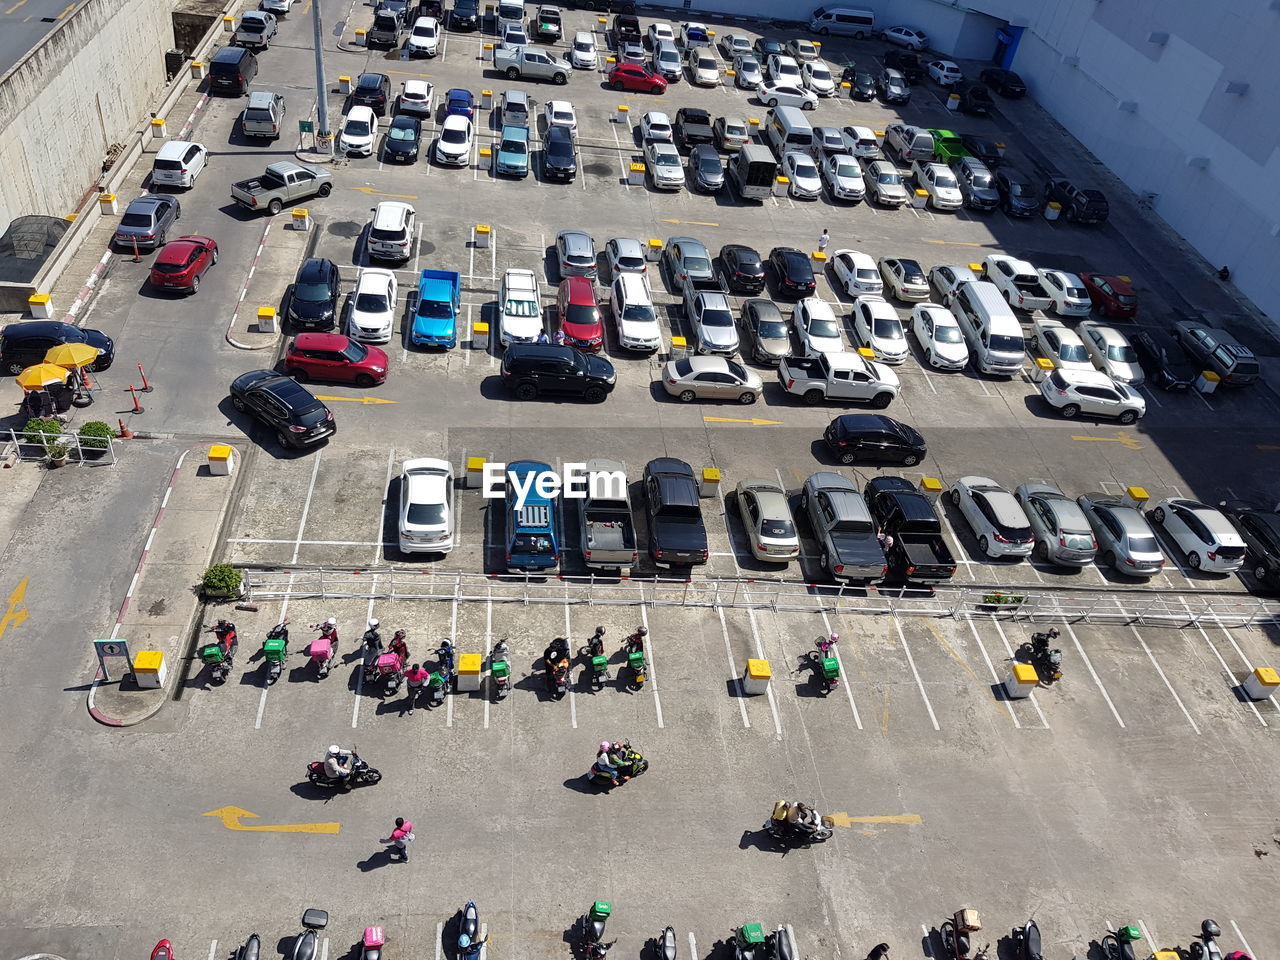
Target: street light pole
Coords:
[(323, 135)]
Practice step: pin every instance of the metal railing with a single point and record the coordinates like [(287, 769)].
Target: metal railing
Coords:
[(86, 450), (1149, 607)]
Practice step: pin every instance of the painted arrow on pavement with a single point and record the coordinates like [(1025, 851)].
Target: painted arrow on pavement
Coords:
[(231, 817), (366, 401), (844, 820), (754, 421)]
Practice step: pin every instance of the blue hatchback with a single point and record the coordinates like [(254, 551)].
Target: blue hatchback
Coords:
[(459, 103)]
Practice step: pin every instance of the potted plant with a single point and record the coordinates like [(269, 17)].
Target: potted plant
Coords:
[(94, 438), (222, 580), (57, 453)]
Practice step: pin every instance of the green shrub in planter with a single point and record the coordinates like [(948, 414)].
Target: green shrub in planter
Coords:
[(221, 578), (40, 430), (94, 435)]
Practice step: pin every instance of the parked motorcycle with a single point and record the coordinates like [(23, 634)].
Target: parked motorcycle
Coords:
[(798, 824), (162, 951), (749, 942), (445, 658), (555, 660), (599, 662), (955, 934), (593, 925), (667, 944), (1118, 944), (469, 942), (826, 666), (219, 655), (387, 669), (372, 943), (250, 949), (304, 944), (500, 670), (1026, 939), (633, 648), (1038, 653), (1206, 946), (437, 686), (324, 648), (275, 648), (780, 947), (361, 773)]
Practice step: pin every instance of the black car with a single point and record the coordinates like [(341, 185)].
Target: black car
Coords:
[(906, 63), (974, 98), (1018, 194), (795, 274), (530, 370), (693, 125), (312, 300), (765, 48), (372, 90), (873, 438), (768, 332), (626, 28), (403, 139), (24, 344), (740, 269), (465, 15), (1163, 359), (677, 534), (284, 405), (1004, 82), (559, 155), (862, 86), (982, 148), (1260, 531), (1079, 204)]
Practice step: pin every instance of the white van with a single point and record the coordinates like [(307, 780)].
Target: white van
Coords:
[(510, 14), (178, 163), (787, 129), (843, 22), (994, 334)]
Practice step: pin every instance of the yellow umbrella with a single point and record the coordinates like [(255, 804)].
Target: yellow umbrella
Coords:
[(41, 375), (71, 355)]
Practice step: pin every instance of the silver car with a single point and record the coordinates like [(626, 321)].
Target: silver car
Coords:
[(1060, 526), (711, 316), (884, 183), (576, 254), (771, 531), (711, 378), (1126, 541)]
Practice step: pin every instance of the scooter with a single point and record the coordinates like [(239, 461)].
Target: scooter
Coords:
[(633, 647), (304, 944), (372, 943), (594, 651), (387, 668), (749, 942), (250, 949), (275, 648), (361, 774), (558, 679), (593, 925), (781, 945), (790, 825), (371, 642), (1118, 944), (162, 951), (955, 934), (324, 648), (826, 666), (1046, 660), (220, 654), (445, 658), (1026, 940), (667, 944), (500, 670), (469, 943), (1206, 945)]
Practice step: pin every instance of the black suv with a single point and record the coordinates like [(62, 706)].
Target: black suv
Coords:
[(465, 15), (626, 26), (693, 125), (873, 438), (25, 344), (313, 296), (532, 369), (1260, 531), (677, 534), (740, 269), (1079, 204), (974, 98), (906, 63), (289, 408), (559, 155), (795, 274), (372, 90)]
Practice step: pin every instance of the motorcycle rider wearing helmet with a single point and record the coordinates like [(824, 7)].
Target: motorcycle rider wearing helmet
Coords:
[(444, 657), (338, 765), (606, 761), (556, 656), (399, 647)]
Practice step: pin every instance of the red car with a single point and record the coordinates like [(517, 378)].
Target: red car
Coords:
[(181, 263), (635, 76), (1112, 295), (579, 315), (331, 356)]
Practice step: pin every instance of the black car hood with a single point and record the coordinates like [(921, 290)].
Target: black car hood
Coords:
[(311, 309), (599, 367)]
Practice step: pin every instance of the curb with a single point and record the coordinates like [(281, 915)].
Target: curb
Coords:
[(244, 290)]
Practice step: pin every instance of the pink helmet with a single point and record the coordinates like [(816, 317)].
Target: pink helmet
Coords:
[(604, 745)]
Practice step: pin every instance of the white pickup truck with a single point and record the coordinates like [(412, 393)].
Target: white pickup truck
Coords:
[(940, 183), (1018, 281), (838, 376), (528, 63)]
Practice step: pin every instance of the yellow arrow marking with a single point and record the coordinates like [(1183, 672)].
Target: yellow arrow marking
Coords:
[(231, 817), (366, 401), (16, 614), (844, 820), (754, 421), (378, 193), (1268, 446), (1121, 437), (695, 223)]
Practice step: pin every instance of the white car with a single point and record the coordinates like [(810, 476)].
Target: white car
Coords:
[(994, 516), (861, 141), (656, 125), (940, 183), (947, 278), (666, 171), (424, 39), (784, 96), (704, 69), (939, 336), (843, 176), (520, 309), (711, 317), (659, 31), (1061, 344), (178, 163), (944, 73), (783, 71), (359, 132), (904, 278), (1204, 534), (747, 72), (1111, 352), (876, 325), (1092, 392), (417, 98), (799, 168), (818, 327), (559, 113), (1070, 298), (426, 506), (908, 37), (633, 314), (694, 34), (857, 272), (817, 77), (732, 44), (277, 6), (514, 37), (631, 51), (582, 52), (373, 306), (453, 147)]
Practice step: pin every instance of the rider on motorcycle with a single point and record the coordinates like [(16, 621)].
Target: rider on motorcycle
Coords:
[(556, 657), (607, 761), (399, 647), (444, 656), (338, 764)]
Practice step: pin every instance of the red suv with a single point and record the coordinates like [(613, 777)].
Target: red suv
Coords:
[(182, 262), (636, 76), (1112, 295), (331, 356), (579, 315)]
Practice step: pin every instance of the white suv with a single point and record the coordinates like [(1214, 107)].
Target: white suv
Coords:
[(519, 307), (633, 313), (1202, 533), (1093, 392), (391, 231)]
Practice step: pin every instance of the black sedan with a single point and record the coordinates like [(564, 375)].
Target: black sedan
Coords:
[(765, 48), (862, 85), (1004, 82), (740, 269), (982, 148), (794, 272), (284, 405), (1163, 359), (906, 63), (1018, 195), (403, 140)]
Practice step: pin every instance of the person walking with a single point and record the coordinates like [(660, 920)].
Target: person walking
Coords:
[(414, 680), (823, 241), (401, 837)]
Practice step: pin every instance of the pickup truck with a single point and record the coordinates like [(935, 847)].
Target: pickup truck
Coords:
[(255, 30), (608, 535), (842, 525), (838, 376), (282, 182), (1079, 204), (530, 64), (915, 548), (435, 318), (1018, 280), (947, 146), (677, 533), (939, 182), (693, 126)]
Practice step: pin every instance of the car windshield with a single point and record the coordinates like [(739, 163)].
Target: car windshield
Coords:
[(694, 265), (562, 118), (668, 56), (885, 328), (425, 514), (773, 330), (515, 111), (947, 334), (638, 312), (980, 181), (584, 46), (1073, 353), (514, 146), (1017, 189), (357, 128), (371, 302), (824, 328), (1127, 299), (1004, 344), (665, 159), (311, 292), (660, 127), (631, 263), (458, 104), (521, 308), (717, 318), (945, 181), (777, 528), (820, 73), (581, 314), (1122, 354), (805, 168), (889, 179), (392, 234), (733, 130), (862, 527), (434, 310), (850, 170), (1079, 293), (354, 351), (1143, 545), (252, 26), (454, 135), (706, 63), (867, 273), (400, 133), (709, 163)]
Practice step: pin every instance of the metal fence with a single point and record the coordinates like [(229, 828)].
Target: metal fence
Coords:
[(87, 451), (1151, 607)]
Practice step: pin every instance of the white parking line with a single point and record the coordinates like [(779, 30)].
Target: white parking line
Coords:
[(826, 622), (1247, 949), (653, 674), (453, 637), (773, 702), (733, 668), (916, 673), (568, 635), (1009, 650), (995, 676), (355, 707), (488, 652), (1155, 663), (306, 506), (1227, 670), (1093, 673)]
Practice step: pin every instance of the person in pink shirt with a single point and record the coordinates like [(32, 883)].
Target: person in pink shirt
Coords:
[(415, 680), (401, 837)]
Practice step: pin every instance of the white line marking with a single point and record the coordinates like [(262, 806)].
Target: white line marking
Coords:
[(439, 939), (568, 635), (213, 947), (733, 668), (916, 673), (653, 674), (1173, 693), (773, 702), (488, 649), (1094, 673), (994, 675), (1009, 650), (826, 622), (453, 638), (1247, 949), (324, 949), (1227, 670), (693, 945), (306, 507)]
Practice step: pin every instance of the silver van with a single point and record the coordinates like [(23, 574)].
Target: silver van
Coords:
[(994, 334), (264, 116), (843, 22), (788, 129)]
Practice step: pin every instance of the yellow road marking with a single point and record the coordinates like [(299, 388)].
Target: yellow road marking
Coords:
[(694, 223), (401, 73), (17, 613), (69, 8), (1268, 446), (14, 7), (884, 714), (844, 820), (231, 817), (307, 8), (1121, 437), (366, 401), (950, 649), (378, 193), (754, 421)]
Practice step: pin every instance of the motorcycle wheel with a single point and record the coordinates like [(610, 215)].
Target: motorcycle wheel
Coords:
[(371, 776), (822, 835)]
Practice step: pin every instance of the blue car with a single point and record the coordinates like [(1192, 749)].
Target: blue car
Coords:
[(435, 320), (459, 103)]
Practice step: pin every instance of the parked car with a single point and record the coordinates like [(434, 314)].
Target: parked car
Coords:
[(147, 221), (947, 280), (904, 278), (842, 525), (560, 113), (178, 163), (786, 95), (1004, 82), (915, 548), (939, 337), (656, 125), (634, 317), (840, 376), (982, 148), (425, 515), (459, 102), (372, 90), (1061, 529), (256, 29), (519, 307), (974, 98), (626, 26), (514, 108), (532, 370), (703, 67), (1094, 393), (359, 132), (1219, 351), (625, 255), (857, 273), (1260, 530), (860, 141), (1059, 343), (1079, 204), (799, 168), (748, 74), (766, 48), (181, 263), (25, 343), (1018, 281), (794, 272), (1067, 291), (818, 327), (1202, 533), (666, 170), (994, 516), (892, 86), (817, 78), (284, 405), (711, 378), (781, 69), (1126, 542), (546, 23), (673, 511), (577, 314), (843, 177), (944, 73), (707, 168), (334, 358), (511, 158), (1111, 295), (417, 98), (582, 52), (884, 183), (693, 126), (403, 139), (766, 515), (741, 270), (1018, 195), (940, 183), (559, 155), (862, 85), (689, 266), (660, 32), (768, 332), (876, 325), (1163, 360), (311, 300), (1111, 352), (905, 62), (424, 38), (732, 44), (977, 185), (453, 146), (636, 77), (873, 438), (711, 316), (372, 315), (575, 254), (910, 37), (730, 133)]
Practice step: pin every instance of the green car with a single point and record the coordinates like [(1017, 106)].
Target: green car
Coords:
[(512, 158), (947, 146)]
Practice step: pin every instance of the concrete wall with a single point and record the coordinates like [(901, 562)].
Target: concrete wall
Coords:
[(86, 86)]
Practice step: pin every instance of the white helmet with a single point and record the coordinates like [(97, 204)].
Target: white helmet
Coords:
[(373, 623), (331, 622), (334, 750), (835, 637)]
